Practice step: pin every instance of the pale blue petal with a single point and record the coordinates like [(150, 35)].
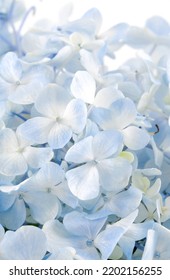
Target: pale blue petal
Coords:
[(43, 205), (150, 245), (106, 96), (81, 152), (123, 203), (65, 195), (8, 141), (83, 181), (102, 117), (13, 164), (106, 144), (36, 130), (123, 112), (158, 25), (75, 115), (27, 243), (59, 136), (78, 224), (83, 86), (57, 236), (10, 68), (37, 157), (114, 174), (108, 238), (15, 216), (52, 101), (135, 138), (6, 200)]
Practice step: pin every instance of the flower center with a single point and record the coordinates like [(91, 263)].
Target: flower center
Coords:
[(89, 243)]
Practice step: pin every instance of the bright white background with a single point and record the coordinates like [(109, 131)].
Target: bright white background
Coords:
[(134, 12)]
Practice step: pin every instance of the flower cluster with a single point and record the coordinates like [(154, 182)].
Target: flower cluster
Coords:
[(84, 147)]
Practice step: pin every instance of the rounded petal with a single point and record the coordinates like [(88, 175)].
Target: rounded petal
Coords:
[(135, 138), (52, 101), (83, 181), (81, 152), (123, 112), (75, 115), (8, 141), (36, 130), (83, 86), (37, 157), (10, 68), (114, 173), (43, 205), (107, 143), (13, 164), (59, 136), (15, 216), (27, 243)]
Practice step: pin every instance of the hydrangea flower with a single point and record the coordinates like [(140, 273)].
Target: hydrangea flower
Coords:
[(84, 144)]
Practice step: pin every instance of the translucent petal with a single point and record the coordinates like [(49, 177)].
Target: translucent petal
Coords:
[(107, 143), (158, 25), (78, 224), (43, 206), (37, 157), (83, 86), (83, 181), (8, 141), (36, 130), (108, 238), (57, 236), (52, 101), (27, 243), (106, 96), (75, 115), (123, 112), (114, 174), (15, 216), (59, 136), (10, 68), (150, 245), (102, 117), (124, 203), (13, 164), (81, 152), (135, 138)]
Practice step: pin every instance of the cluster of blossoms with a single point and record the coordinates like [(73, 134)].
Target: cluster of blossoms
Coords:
[(84, 149)]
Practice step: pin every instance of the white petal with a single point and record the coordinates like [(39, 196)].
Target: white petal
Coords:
[(43, 206), (114, 173), (107, 143), (135, 138), (75, 115), (81, 152), (123, 112), (78, 224), (83, 181), (108, 238), (52, 101), (59, 136), (150, 245), (83, 86), (106, 96), (36, 130), (13, 164), (37, 157), (102, 117), (27, 243), (123, 203), (10, 68), (50, 174), (57, 236), (8, 141)]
